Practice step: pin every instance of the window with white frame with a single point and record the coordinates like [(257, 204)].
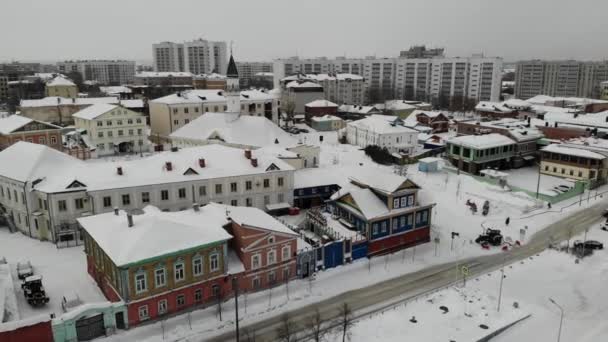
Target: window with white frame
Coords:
[(143, 312), (214, 262), (255, 282), (272, 257), (181, 300), (404, 201), (140, 282), (178, 271), (160, 277), (198, 295), (383, 226), (255, 261), (410, 200), (285, 253), (272, 277), (162, 306), (197, 265), (395, 203)]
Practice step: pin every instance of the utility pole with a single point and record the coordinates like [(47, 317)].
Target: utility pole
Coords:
[(538, 182), (561, 319), (235, 287)]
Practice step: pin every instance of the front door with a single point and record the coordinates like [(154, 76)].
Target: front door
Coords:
[(120, 320)]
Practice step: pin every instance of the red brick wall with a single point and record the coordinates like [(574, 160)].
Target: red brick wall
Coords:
[(41, 332), (320, 111), (563, 132), (35, 136), (171, 297), (396, 242), (106, 288)]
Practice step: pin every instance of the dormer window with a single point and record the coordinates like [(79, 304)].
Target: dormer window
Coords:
[(271, 240)]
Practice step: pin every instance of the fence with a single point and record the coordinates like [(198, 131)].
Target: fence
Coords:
[(577, 189)]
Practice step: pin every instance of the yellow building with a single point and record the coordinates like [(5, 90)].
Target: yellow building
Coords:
[(604, 90), (61, 87), (573, 163)]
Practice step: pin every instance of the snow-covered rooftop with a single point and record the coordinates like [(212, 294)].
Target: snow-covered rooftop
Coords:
[(326, 118), (494, 107), (430, 114), (56, 171), (94, 111), (150, 74), (482, 141), (253, 131), (199, 96), (321, 103), (60, 81), (12, 123), (54, 101), (211, 76), (356, 109), (306, 84), (382, 124), (395, 105), (253, 217), (115, 90), (154, 233), (579, 152)]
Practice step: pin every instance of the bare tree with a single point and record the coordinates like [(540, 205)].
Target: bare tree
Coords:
[(286, 332), (314, 325), (346, 321)]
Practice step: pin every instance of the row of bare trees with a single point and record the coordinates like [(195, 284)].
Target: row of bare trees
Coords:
[(315, 326)]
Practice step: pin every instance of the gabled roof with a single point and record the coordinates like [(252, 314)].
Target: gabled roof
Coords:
[(321, 103), (154, 233), (253, 217), (94, 111), (56, 170), (482, 141), (12, 123), (368, 204), (252, 131), (232, 70), (381, 124)]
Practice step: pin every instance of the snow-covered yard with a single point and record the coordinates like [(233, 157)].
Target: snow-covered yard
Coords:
[(578, 287), (62, 270), (527, 178)]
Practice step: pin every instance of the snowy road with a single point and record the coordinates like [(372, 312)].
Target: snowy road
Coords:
[(410, 285)]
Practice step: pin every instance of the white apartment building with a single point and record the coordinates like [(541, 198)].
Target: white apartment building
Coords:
[(169, 113), (43, 191), (198, 56), (568, 78), (384, 131), (424, 79), (338, 88), (106, 72), (249, 70), (168, 56), (113, 129)]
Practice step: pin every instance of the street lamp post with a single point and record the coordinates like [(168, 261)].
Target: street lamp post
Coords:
[(538, 182), (561, 319), (235, 287)]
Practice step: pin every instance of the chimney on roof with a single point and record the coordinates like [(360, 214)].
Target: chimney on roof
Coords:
[(196, 207), (169, 166), (116, 211), (73, 100), (248, 154), (201, 162), (254, 162), (529, 120), (119, 170), (130, 220), (555, 124), (546, 124)]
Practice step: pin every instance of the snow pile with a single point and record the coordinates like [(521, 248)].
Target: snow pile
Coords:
[(8, 301)]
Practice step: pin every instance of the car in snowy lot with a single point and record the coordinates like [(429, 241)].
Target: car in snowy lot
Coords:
[(589, 244), (564, 187), (24, 270), (304, 130)]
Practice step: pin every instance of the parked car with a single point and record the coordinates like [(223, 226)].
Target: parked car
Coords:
[(564, 187), (69, 301), (24, 270), (304, 130), (589, 244), (34, 291)]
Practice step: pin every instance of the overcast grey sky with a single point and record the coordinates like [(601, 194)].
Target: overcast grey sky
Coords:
[(268, 29)]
